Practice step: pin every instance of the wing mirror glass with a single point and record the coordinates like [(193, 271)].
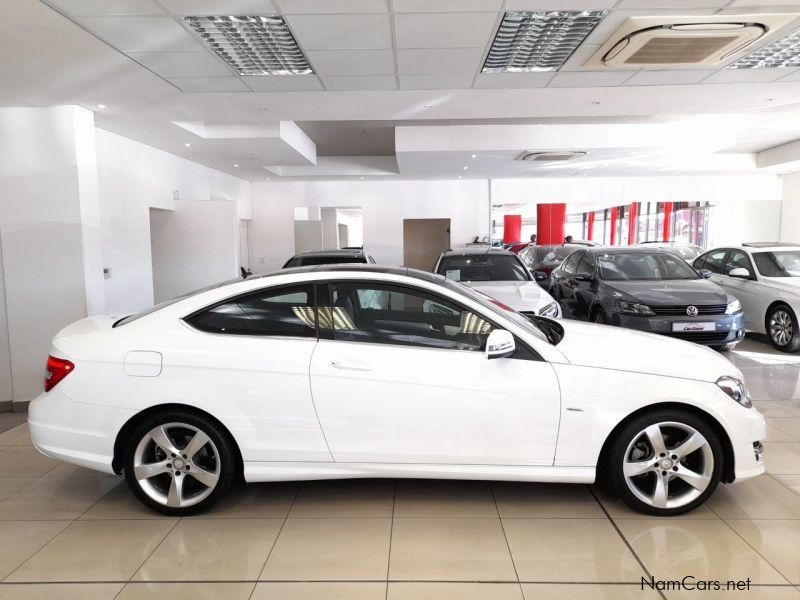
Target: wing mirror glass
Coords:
[(705, 273), (540, 276), (500, 344), (740, 273)]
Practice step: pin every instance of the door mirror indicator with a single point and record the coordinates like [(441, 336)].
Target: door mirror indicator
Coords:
[(739, 273), (500, 344)]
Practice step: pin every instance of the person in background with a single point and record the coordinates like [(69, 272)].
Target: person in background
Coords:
[(533, 239), (568, 239)]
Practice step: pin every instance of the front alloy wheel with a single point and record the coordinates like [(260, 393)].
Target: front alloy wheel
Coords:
[(666, 464), (783, 330)]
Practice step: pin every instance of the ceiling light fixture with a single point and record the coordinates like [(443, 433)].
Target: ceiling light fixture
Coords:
[(235, 165), (474, 156), (252, 45), (466, 167), (187, 145), (784, 52), (102, 106), (538, 41)]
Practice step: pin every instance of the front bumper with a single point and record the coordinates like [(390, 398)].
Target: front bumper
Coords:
[(727, 328), (747, 429)]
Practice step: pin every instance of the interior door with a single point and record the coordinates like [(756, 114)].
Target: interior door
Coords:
[(404, 379)]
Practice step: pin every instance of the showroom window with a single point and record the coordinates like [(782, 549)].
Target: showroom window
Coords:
[(288, 311), (383, 314)]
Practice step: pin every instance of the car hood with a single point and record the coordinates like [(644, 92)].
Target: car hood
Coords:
[(607, 347), (683, 291), (519, 295)]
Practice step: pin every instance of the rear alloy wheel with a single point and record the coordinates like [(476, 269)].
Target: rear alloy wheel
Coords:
[(178, 464), (666, 464), (782, 329)]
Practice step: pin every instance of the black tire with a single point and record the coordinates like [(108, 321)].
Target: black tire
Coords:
[(616, 457), (793, 344), (220, 441), (599, 316)]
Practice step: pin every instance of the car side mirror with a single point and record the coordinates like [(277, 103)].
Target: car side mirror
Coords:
[(540, 276), (739, 273), (588, 277), (500, 344), (705, 273)]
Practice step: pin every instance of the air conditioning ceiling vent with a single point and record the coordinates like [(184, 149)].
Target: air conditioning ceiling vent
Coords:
[(554, 156)]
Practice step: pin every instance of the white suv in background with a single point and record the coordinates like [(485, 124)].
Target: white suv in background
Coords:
[(765, 277)]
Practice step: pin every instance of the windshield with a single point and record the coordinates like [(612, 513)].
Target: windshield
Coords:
[(643, 266), (686, 252), (477, 267), (778, 263), (553, 253)]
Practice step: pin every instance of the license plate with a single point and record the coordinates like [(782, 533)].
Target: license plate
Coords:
[(690, 327)]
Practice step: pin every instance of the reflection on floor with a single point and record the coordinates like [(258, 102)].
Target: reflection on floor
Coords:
[(66, 532)]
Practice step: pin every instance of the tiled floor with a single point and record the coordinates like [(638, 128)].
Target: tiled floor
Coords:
[(68, 533)]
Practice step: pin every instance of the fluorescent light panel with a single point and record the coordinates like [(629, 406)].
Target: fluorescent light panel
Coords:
[(784, 52), (252, 45), (539, 41)]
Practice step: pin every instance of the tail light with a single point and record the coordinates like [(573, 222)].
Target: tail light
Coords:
[(56, 370)]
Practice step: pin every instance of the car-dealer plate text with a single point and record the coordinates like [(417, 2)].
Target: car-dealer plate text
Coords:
[(690, 327)]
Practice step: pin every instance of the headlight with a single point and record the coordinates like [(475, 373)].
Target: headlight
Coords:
[(734, 308), (632, 308), (549, 310), (736, 390)]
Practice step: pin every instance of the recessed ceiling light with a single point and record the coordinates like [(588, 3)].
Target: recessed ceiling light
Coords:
[(539, 41), (459, 176), (466, 167), (362, 178), (101, 106), (474, 156), (235, 165), (252, 45), (187, 145), (784, 52)]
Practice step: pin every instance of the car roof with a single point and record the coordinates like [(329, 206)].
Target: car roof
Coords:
[(769, 245), (627, 250), (484, 250), (341, 252)]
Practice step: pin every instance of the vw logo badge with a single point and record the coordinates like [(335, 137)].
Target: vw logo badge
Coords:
[(691, 311)]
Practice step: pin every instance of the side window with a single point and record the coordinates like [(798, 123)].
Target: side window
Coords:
[(738, 260), (715, 260), (698, 262), (385, 314), (287, 311), (586, 265), (571, 263)]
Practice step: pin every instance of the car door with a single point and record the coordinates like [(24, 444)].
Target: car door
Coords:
[(566, 280), (585, 288), (746, 290), (714, 262), (404, 379)]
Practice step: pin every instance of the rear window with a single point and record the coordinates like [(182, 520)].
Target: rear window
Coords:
[(307, 261)]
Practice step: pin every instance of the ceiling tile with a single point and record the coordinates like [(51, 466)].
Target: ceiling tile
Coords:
[(217, 7), (447, 5), (561, 5), (284, 83), (425, 61), (378, 82), (763, 3), (352, 62), (107, 7), (513, 80), (670, 77), (436, 82), (181, 64), (440, 30), (589, 79), (141, 34), (341, 32), (793, 75), (198, 85), (672, 3), (747, 75), (332, 6), (578, 58)]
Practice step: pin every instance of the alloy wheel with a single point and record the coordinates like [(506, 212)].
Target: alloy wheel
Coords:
[(781, 329), (668, 465), (177, 465)]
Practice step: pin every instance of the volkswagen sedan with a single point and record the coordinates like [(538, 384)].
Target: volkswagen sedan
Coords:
[(364, 371)]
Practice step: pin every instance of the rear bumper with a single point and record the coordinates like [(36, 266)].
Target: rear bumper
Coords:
[(81, 434), (727, 328)]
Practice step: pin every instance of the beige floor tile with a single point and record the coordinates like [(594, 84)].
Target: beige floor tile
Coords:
[(330, 549), (778, 409), (196, 591), (617, 509), (212, 549), (55, 499), (11, 485), (570, 550), (319, 591), (19, 540), (766, 592), (60, 591), (70, 471), (120, 503), (788, 425), (782, 458), (24, 461), (544, 501), (345, 498), (671, 549), (444, 498), (790, 481), (450, 549), (254, 501), (454, 591), (756, 498), (94, 551), (588, 591), (18, 436), (776, 435), (776, 540)]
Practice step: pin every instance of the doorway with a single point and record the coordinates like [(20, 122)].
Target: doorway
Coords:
[(423, 241)]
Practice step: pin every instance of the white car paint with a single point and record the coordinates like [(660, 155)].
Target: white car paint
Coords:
[(523, 296), (381, 409)]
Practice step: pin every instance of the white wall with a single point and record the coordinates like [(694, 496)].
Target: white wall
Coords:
[(740, 221), (385, 204), (790, 209), (133, 178), (6, 388)]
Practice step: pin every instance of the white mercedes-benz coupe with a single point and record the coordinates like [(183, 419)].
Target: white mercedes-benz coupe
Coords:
[(366, 371)]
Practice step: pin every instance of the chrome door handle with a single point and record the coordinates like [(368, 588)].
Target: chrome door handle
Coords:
[(350, 365)]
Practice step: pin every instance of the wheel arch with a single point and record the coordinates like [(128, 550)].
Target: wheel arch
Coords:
[(125, 431), (774, 304), (728, 459)]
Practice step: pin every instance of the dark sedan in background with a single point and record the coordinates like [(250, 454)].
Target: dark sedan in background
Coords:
[(545, 258), (649, 289)]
